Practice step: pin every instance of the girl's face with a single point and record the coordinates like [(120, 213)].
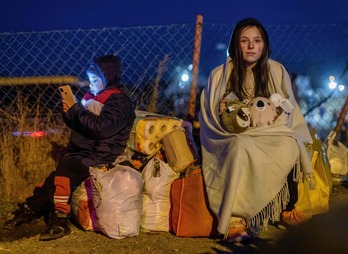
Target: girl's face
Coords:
[(95, 83), (251, 44)]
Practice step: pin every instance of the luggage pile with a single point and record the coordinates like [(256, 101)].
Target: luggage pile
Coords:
[(136, 191)]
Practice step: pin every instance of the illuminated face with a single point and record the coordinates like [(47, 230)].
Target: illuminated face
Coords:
[(251, 44), (95, 83)]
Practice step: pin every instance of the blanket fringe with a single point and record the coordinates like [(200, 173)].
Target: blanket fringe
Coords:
[(306, 177), (272, 210)]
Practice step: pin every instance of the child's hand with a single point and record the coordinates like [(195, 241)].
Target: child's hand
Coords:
[(65, 106)]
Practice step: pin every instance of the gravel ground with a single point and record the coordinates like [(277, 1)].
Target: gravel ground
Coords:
[(26, 239)]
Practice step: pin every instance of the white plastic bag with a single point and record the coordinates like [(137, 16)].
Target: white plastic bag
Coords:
[(117, 201), (158, 177)]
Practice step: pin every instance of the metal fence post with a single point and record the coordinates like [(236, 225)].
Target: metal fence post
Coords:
[(195, 65)]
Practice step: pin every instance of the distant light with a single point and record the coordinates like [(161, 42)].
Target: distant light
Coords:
[(332, 78), (185, 77), (220, 46), (341, 88), (182, 85), (332, 85), (33, 134), (16, 133), (36, 134), (190, 67)]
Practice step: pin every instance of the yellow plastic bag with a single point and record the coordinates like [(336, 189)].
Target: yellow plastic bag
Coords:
[(312, 202)]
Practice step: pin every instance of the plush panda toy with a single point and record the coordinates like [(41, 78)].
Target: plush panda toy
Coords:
[(236, 117)]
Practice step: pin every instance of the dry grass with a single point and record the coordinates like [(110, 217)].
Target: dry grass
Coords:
[(25, 161), (162, 67)]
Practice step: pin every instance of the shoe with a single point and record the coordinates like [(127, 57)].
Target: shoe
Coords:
[(291, 218), (21, 215), (237, 232), (253, 231), (57, 226)]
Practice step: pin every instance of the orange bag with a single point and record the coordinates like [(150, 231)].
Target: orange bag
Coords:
[(190, 213)]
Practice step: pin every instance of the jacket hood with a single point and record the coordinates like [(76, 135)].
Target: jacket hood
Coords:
[(109, 68)]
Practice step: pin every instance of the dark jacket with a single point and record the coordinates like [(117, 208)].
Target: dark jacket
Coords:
[(100, 138)]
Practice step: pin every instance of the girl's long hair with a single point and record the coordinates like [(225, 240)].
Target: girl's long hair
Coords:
[(260, 70)]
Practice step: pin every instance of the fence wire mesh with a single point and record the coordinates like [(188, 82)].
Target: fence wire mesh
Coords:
[(156, 57)]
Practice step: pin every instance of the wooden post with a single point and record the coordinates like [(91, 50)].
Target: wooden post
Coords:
[(195, 65)]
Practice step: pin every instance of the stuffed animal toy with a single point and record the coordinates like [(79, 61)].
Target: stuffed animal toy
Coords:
[(236, 118), (281, 103), (263, 111)]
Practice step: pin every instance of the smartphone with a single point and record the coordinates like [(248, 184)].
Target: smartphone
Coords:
[(67, 95)]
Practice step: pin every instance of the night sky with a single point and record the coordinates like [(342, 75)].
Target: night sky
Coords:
[(46, 15)]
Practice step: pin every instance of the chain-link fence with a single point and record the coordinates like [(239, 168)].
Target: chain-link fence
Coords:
[(159, 56), (67, 53)]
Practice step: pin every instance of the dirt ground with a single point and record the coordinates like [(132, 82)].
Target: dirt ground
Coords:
[(26, 239)]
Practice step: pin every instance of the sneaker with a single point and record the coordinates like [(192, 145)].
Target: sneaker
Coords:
[(237, 231), (291, 218), (21, 215), (57, 226)]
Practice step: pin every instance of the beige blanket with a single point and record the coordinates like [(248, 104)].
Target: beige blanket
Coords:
[(246, 174)]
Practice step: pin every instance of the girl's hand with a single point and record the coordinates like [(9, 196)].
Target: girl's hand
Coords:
[(223, 106)]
